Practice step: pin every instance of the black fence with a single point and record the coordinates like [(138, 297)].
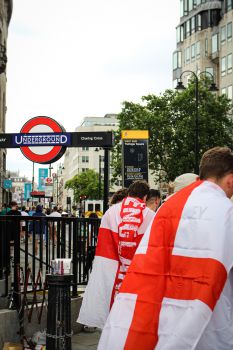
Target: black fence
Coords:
[(28, 244)]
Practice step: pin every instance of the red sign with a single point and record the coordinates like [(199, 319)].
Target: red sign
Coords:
[(48, 180), (42, 154), (37, 194)]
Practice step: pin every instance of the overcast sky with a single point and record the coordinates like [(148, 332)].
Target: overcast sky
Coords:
[(68, 59)]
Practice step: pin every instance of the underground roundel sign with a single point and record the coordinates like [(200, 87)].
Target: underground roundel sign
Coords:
[(42, 154)]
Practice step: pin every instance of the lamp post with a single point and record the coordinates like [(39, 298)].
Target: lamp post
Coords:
[(212, 88)]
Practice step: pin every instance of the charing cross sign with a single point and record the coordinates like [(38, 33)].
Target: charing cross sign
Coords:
[(43, 140)]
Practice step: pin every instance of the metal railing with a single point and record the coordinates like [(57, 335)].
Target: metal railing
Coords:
[(28, 244)]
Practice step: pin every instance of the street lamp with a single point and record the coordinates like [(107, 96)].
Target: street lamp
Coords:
[(212, 88)]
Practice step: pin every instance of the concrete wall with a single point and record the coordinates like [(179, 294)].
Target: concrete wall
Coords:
[(9, 323)]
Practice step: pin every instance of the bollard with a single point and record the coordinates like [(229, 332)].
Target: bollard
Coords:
[(58, 335)]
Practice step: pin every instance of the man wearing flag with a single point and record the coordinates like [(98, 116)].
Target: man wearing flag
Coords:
[(121, 230), (178, 292)]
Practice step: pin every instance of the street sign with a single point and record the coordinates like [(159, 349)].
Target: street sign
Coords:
[(7, 183), (42, 175), (27, 190), (135, 156), (43, 151), (48, 181), (49, 191), (36, 140)]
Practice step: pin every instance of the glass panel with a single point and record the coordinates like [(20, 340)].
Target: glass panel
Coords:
[(190, 5), (206, 47), (229, 5), (229, 31), (193, 24), (198, 49), (199, 22), (187, 28), (223, 91), (178, 34), (229, 63), (223, 66), (181, 8), (187, 54), (211, 71), (223, 34), (181, 33), (229, 92), (193, 51), (214, 43)]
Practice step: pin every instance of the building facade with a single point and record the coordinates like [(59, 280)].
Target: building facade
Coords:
[(5, 16), (204, 42), (81, 159)]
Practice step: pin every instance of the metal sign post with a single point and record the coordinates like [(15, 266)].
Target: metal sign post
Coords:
[(135, 156)]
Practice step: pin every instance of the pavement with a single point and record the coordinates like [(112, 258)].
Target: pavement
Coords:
[(86, 340)]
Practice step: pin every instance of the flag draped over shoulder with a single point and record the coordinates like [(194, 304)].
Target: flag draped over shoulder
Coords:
[(177, 294), (121, 230)]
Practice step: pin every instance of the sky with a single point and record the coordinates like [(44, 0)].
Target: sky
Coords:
[(68, 59)]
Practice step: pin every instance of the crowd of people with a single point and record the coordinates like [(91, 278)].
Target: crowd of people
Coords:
[(162, 277)]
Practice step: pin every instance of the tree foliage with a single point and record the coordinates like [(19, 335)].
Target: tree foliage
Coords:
[(170, 119), (84, 184)]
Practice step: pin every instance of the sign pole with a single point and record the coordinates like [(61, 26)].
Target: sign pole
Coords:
[(106, 178)]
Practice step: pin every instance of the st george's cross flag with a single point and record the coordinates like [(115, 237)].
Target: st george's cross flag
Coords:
[(120, 233), (178, 292)]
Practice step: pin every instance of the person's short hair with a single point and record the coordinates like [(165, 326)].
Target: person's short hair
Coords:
[(216, 162), (118, 196), (153, 194), (39, 208), (139, 188), (55, 208), (13, 204), (23, 208)]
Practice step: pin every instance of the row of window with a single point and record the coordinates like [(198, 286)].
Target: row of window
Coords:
[(227, 91), (226, 65), (188, 5), (190, 54), (226, 33), (196, 23)]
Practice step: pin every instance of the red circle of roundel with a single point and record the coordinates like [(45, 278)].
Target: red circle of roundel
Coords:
[(55, 153)]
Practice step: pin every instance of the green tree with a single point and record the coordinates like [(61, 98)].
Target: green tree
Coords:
[(84, 184), (170, 119)]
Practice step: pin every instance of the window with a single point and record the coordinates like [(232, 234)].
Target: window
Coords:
[(187, 54), (198, 2), (85, 159), (85, 148), (206, 47), (223, 66), (176, 60), (185, 7), (229, 92), (190, 5), (181, 8), (214, 43), (181, 33), (187, 28), (223, 35), (198, 49), (229, 31), (193, 25), (223, 91), (199, 22), (209, 70), (229, 63), (193, 52), (229, 5)]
